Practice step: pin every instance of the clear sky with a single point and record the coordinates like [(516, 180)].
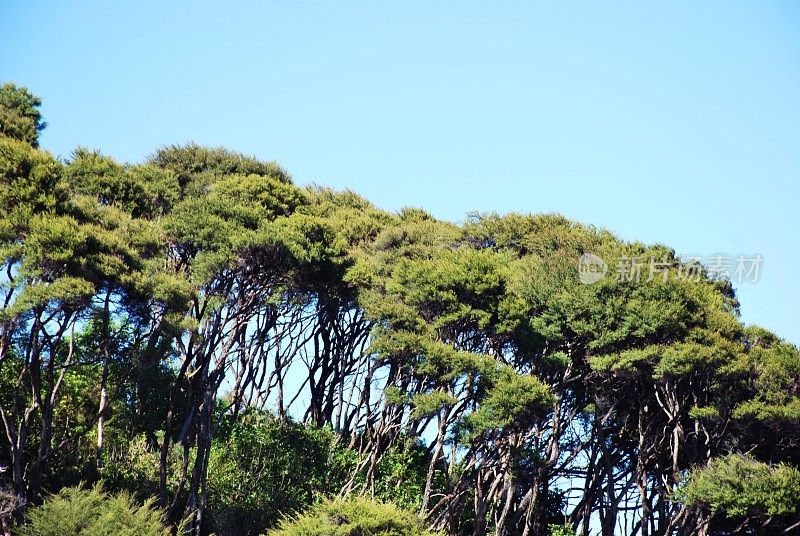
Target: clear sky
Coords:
[(677, 124)]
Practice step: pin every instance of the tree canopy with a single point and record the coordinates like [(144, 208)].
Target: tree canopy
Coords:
[(198, 332)]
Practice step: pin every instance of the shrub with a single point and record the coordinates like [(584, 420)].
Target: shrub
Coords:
[(401, 473), (93, 512), (262, 469), (353, 516)]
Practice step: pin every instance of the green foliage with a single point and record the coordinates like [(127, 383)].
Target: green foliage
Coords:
[(262, 468), (355, 219), (151, 285), (560, 530), (513, 396), (704, 412), (737, 486), (92, 512), (430, 403), (197, 167), (19, 114), (144, 191), (353, 516), (236, 216), (30, 183), (131, 464), (400, 475), (774, 366)]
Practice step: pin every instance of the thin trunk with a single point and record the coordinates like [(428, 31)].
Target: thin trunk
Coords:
[(106, 352)]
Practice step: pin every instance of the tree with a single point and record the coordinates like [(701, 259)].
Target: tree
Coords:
[(61, 256), (199, 328), (19, 114)]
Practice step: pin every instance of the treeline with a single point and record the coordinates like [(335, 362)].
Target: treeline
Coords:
[(199, 330)]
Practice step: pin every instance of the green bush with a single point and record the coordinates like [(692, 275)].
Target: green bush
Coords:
[(262, 469), (93, 512), (350, 517), (401, 473)]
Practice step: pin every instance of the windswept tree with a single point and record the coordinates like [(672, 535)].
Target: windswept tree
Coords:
[(62, 256), (20, 117)]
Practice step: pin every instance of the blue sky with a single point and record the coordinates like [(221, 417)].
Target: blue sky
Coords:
[(677, 124)]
